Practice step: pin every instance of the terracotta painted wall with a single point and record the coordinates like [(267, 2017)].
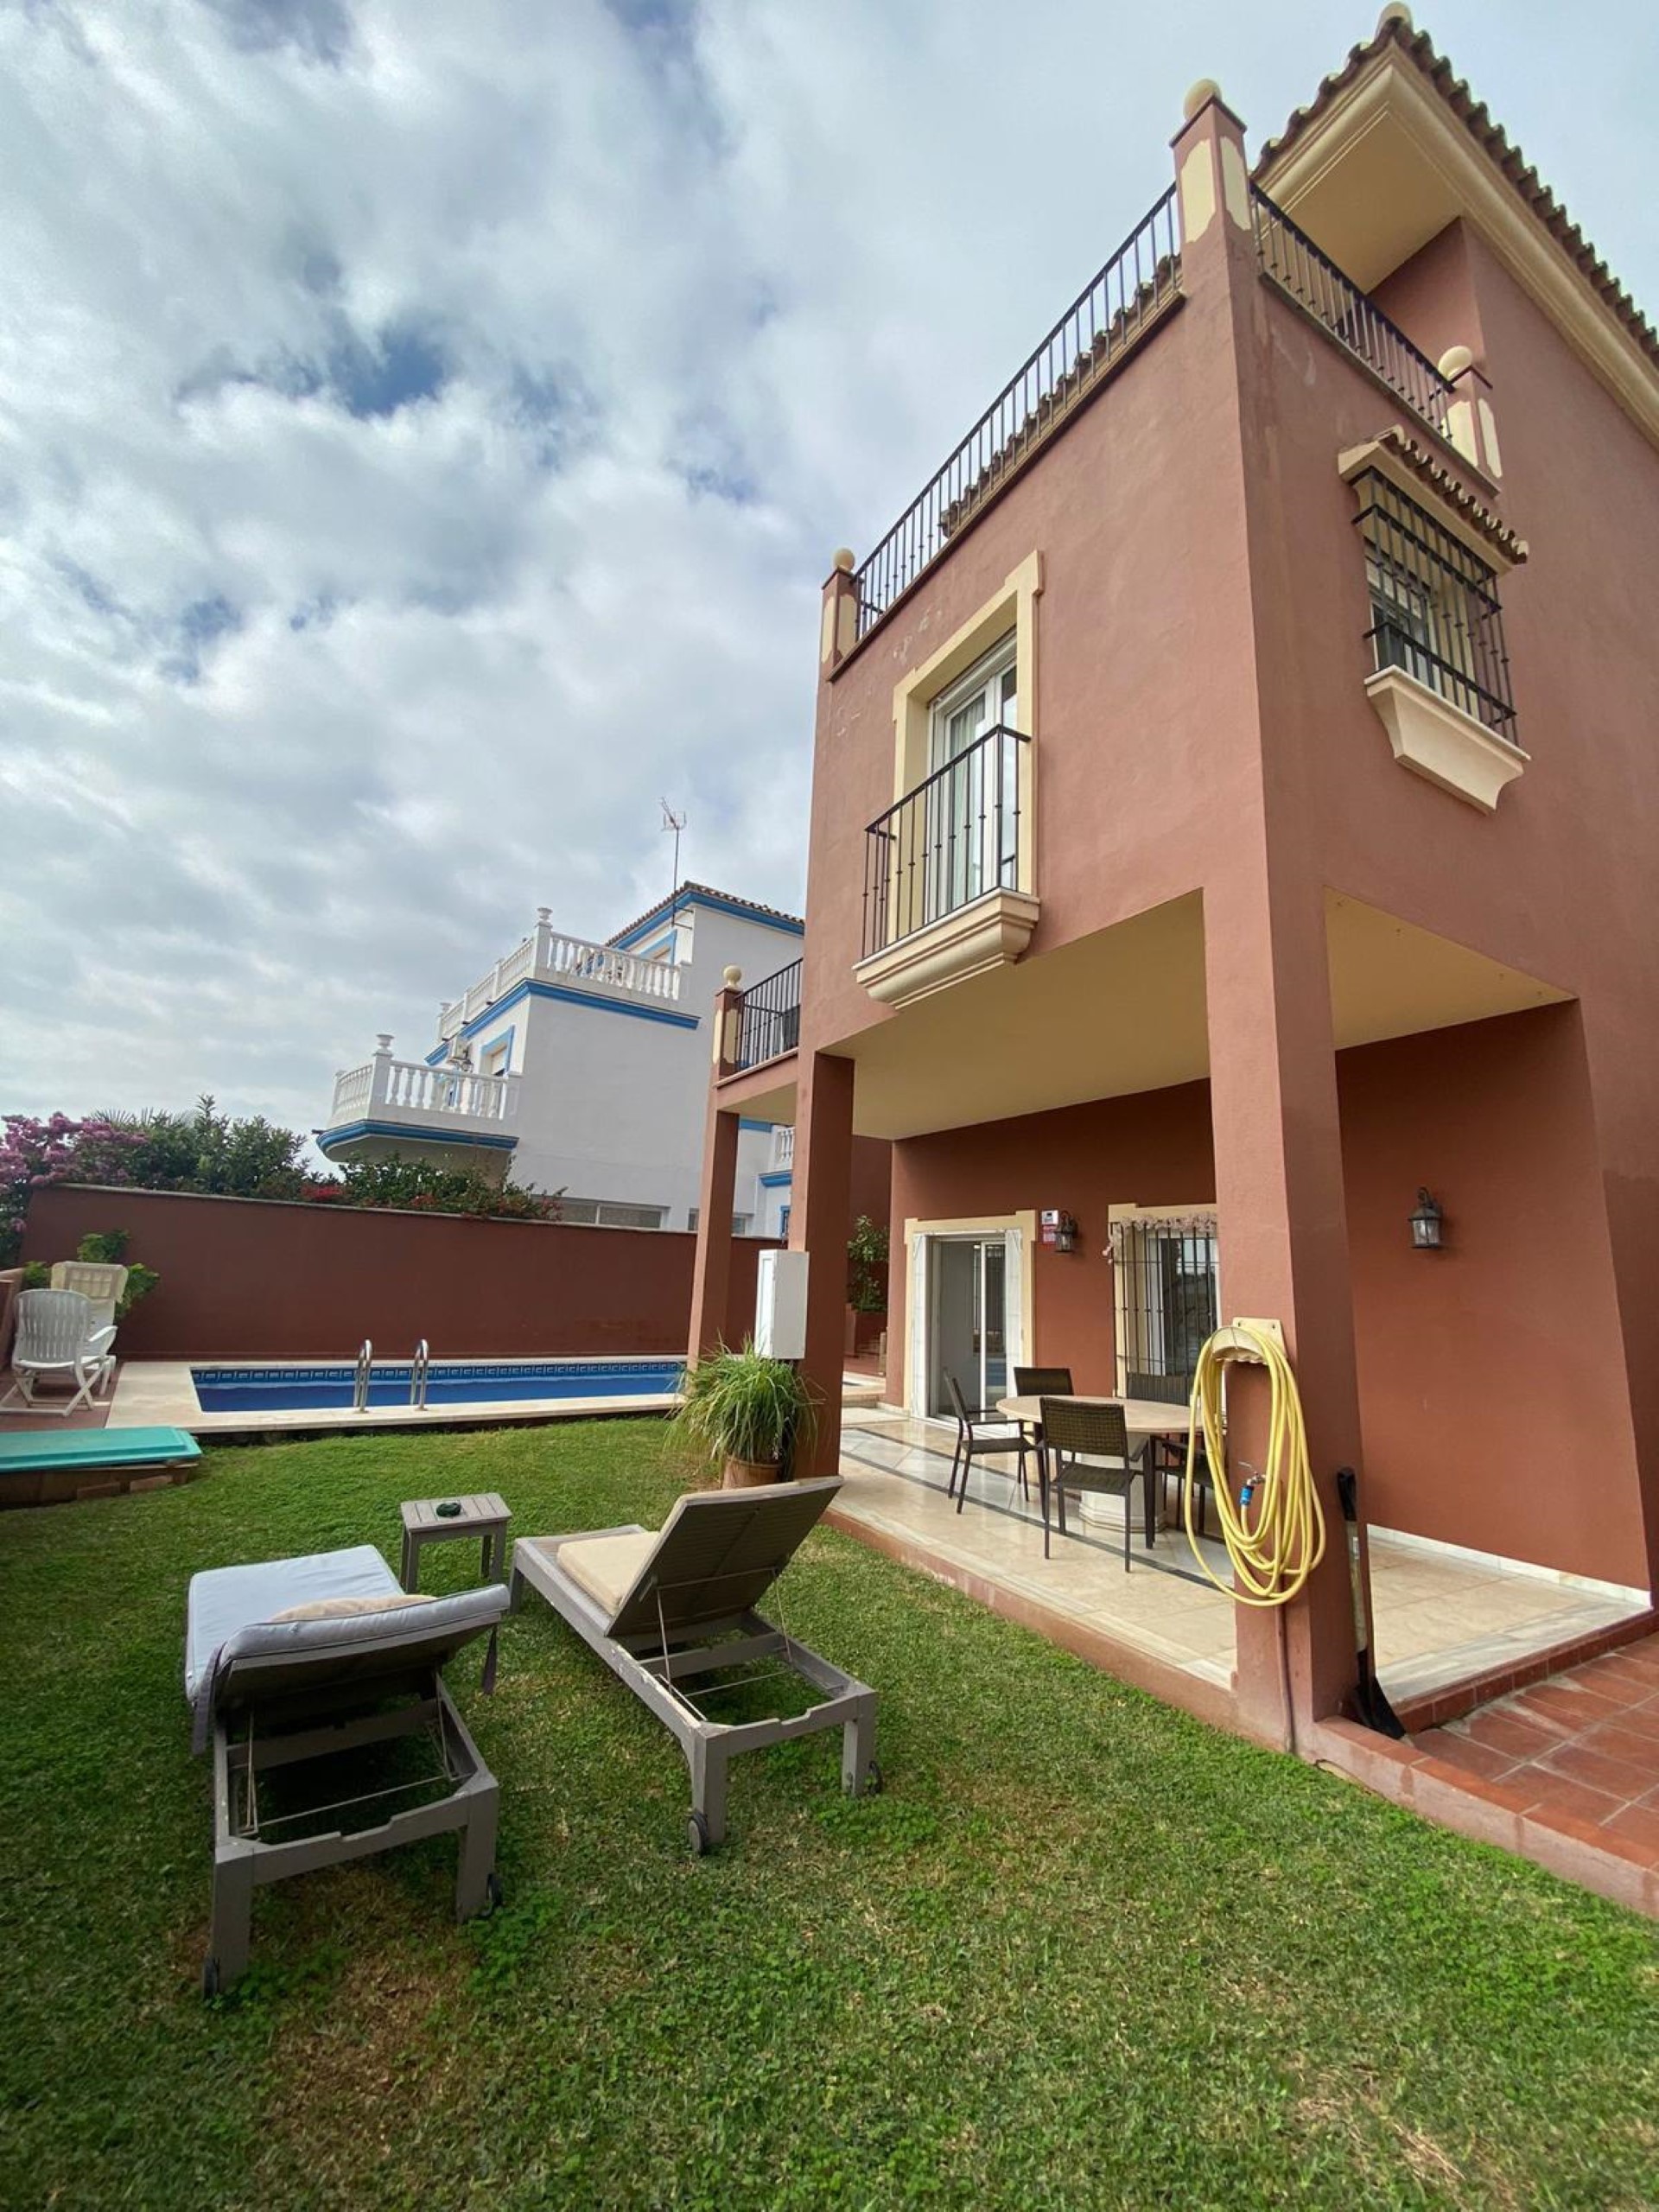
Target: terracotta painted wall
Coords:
[(1558, 882), (1492, 1392), (1147, 1150), (1147, 755), (1492, 1386), (245, 1280)]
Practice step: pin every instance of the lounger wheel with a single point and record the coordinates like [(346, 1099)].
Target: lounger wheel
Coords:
[(872, 1779), (698, 1836), (494, 1892), (210, 1977)]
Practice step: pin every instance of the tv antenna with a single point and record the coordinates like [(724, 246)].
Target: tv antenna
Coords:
[(676, 822)]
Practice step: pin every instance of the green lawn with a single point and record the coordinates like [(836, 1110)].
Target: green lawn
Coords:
[(1081, 1952)]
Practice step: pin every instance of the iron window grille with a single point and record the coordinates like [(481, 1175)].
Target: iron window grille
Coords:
[(1167, 1305), (953, 839), (769, 1021), (1434, 609)]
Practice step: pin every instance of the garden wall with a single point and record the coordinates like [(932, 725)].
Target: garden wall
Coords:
[(258, 1279)]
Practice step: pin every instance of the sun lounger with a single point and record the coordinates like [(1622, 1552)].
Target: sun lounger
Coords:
[(361, 1665), (664, 1608)]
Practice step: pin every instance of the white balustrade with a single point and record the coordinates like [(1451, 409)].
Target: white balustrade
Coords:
[(574, 957), (548, 952), (783, 1146), (411, 1087), (353, 1087)]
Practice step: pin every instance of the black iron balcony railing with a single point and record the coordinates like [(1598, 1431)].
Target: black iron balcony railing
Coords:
[(1434, 607), (769, 1023), (1142, 277), (946, 843), (1337, 304)]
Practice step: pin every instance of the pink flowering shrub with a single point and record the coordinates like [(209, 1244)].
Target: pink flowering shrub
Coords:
[(33, 1152)]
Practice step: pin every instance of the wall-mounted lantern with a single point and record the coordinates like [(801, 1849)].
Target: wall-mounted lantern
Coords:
[(1059, 1229), (1426, 1221)]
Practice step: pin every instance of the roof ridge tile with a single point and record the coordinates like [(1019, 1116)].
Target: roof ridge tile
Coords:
[(1506, 157)]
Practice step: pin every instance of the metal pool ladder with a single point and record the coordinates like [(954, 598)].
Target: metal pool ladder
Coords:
[(362, 1375), (419, 1368)]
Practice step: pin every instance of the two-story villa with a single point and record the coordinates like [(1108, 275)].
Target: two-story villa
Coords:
[(1234, 812), (583, 1068)]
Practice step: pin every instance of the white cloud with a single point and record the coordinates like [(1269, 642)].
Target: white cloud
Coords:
[(424, 430)]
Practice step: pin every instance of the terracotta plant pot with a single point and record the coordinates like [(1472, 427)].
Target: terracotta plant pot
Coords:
[(749, 1474)]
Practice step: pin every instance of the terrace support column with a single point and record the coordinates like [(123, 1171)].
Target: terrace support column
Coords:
[(821, 1195), (712, 1274), (1284, 1256)]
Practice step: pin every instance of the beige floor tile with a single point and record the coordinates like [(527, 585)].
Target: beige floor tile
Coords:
[(1439, 1617)]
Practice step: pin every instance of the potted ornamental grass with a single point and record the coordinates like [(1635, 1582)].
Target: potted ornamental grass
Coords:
[(741, 1411)]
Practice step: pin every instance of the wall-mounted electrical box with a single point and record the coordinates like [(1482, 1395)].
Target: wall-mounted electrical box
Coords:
[(780, 1305)]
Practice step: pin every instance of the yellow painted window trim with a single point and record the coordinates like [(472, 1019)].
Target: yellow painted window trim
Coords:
[(1012, 607)]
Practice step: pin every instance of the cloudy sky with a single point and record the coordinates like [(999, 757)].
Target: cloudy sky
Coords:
[(424, 425)]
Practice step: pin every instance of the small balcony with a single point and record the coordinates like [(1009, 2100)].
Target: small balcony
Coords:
[(769, 1020), (386, 1095), (547, 956), (1303, 273), (948, 873)]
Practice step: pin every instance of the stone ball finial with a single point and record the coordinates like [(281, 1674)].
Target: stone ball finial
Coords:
[(1200, 96), (1454, 361), (1396, 12), (843, 559), (732, 977)]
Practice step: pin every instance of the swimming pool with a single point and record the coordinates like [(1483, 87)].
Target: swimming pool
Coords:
[(449, 1382)]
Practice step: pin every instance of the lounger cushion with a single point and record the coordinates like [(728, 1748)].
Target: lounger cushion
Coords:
[(226, 1599), (234, 1650), (334, 1609), (607, 1567)]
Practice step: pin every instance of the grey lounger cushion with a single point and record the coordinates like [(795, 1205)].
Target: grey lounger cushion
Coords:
[(232, 1641)]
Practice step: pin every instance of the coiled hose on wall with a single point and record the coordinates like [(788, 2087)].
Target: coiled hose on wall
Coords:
[(1274, 1527)]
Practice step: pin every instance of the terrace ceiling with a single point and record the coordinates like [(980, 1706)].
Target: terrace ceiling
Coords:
[(1124, 1011)]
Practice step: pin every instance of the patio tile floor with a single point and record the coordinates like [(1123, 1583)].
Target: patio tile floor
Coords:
[(1578, 1751), (1442, 1617)]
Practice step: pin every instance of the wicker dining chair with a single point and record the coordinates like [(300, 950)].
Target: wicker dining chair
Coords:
[(981, 1436), (1042, 1383), (1070, 1429)]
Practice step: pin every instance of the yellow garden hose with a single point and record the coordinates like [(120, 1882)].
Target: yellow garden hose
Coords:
[(1274, 1528)]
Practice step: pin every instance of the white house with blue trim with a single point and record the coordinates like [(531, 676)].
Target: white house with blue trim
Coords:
[(583, 1068)]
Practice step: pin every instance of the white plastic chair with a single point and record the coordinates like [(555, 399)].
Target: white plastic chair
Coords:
[(58, 1333), (101, 1280)]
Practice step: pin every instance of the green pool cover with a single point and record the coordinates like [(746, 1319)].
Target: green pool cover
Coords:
[(96, 1447)]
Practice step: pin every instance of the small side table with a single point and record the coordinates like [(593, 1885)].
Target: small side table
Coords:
[(483, 1514)]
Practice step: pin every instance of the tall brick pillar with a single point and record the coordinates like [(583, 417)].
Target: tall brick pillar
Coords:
[(712, 1273), (1284, 1256), (1272, 1078), (820, 1212)]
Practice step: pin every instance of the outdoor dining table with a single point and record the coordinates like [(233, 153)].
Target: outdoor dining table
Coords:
[(1144, 1418)]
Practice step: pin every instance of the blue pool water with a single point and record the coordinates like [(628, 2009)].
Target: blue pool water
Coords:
[(450, 1382)]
